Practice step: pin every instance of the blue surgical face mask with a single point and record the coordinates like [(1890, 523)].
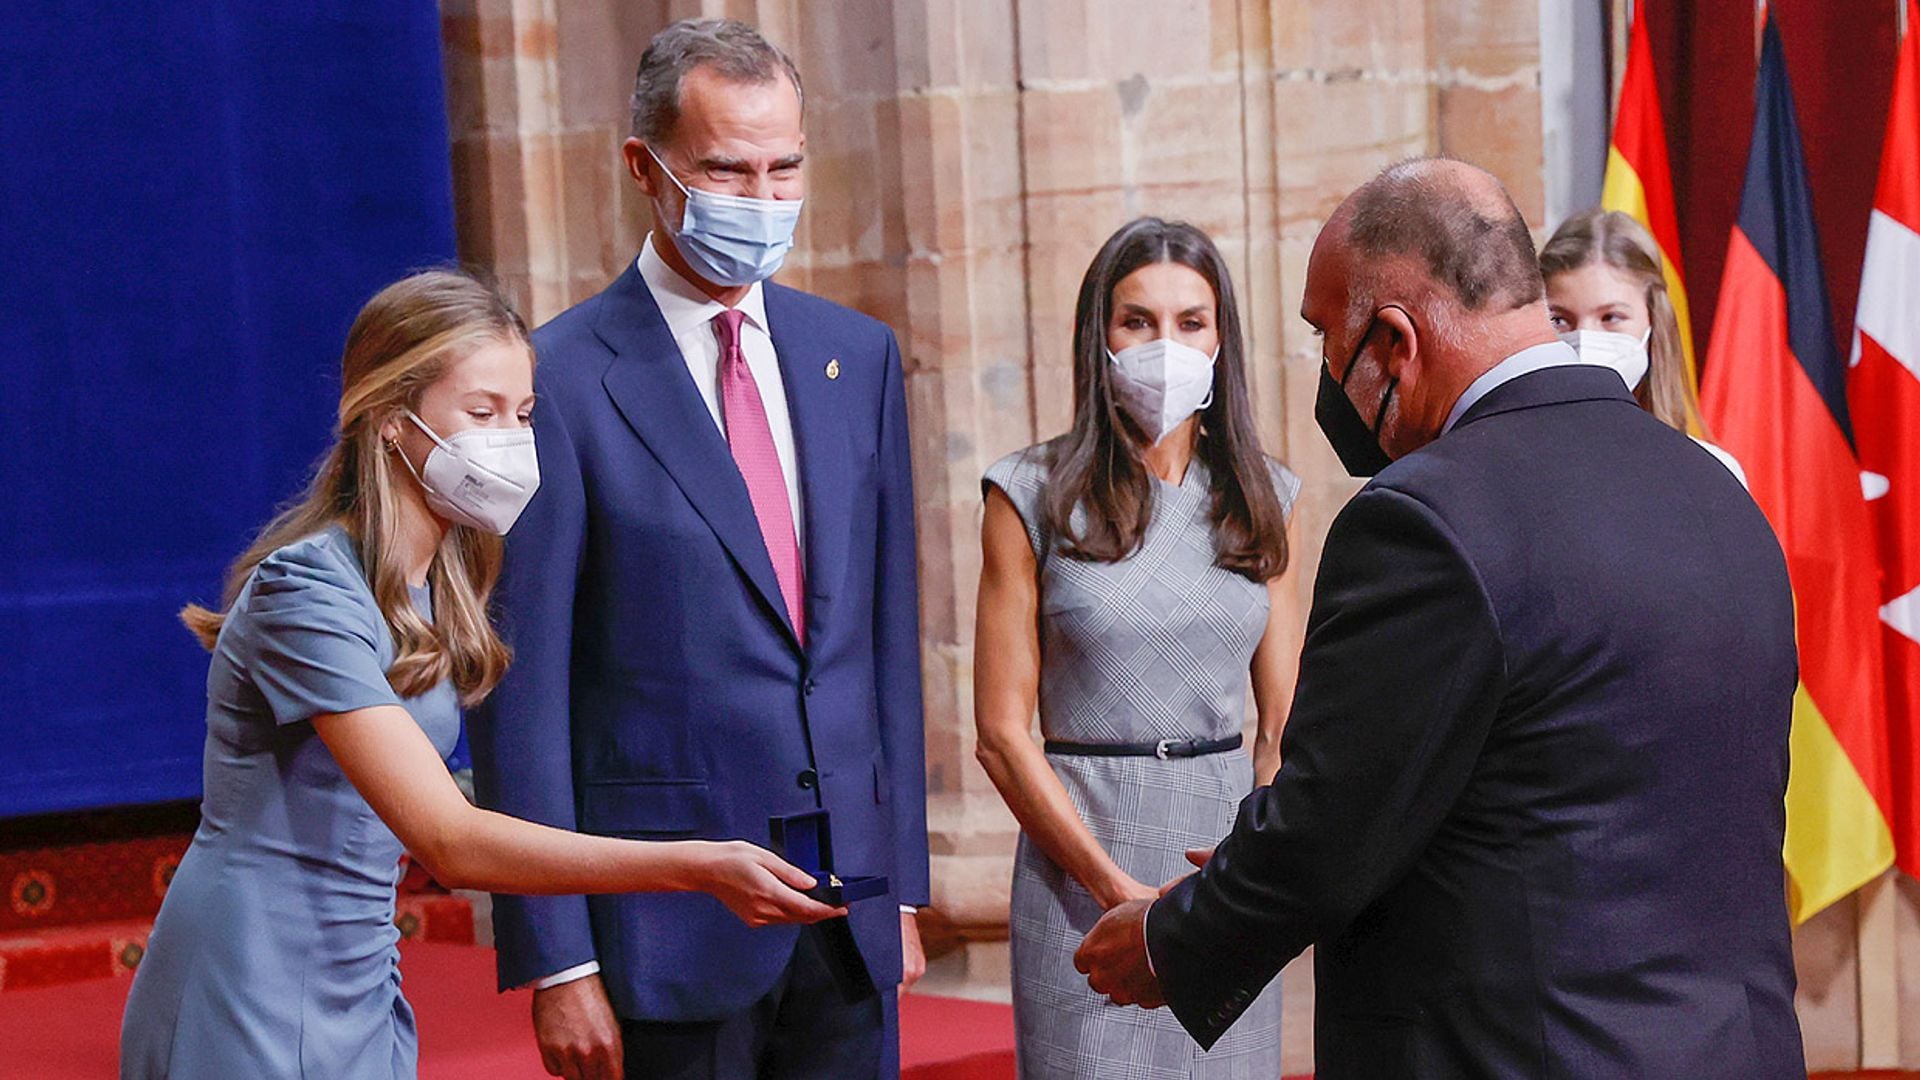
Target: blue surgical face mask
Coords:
[(731, 239)]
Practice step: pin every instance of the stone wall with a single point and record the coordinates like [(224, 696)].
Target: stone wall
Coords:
[(966, 158)]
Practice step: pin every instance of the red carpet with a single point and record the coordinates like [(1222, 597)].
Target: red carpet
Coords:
[(467, 1032)]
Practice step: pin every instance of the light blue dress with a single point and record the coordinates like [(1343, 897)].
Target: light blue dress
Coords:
[(275, 953)]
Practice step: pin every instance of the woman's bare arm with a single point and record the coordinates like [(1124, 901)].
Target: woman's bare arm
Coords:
[(1275, 669), (1006, 682), (396, 769)]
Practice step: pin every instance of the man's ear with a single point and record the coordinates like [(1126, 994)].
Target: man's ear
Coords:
[(639, 166), (1403, 340)]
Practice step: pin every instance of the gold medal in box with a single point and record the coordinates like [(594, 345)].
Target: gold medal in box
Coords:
[(806, 841)]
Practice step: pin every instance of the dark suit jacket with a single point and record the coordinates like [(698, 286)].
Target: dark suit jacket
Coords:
[(658, 690), (1532, 800)]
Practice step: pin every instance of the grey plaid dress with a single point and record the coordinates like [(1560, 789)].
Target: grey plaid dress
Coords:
[(1155, 646)]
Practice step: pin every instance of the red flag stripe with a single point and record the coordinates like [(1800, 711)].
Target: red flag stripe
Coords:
[(1883, 398), (1886, 400), (1640, 134), (1898, 193)]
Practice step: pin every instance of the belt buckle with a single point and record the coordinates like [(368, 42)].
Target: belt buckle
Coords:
[(1161, 749)]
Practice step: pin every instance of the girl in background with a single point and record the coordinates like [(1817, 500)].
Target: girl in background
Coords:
[(1608, 299)]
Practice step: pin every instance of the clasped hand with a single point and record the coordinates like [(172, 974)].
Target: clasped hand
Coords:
[(1114, 955)]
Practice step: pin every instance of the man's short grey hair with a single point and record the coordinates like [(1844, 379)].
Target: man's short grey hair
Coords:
[(731, 48), (1465, 232)]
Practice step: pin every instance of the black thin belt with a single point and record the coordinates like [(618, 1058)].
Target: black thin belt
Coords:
[(1165, 749)]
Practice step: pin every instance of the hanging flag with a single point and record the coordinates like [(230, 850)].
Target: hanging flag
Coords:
[(1640, 185), (1776, 397), (1883, 392)]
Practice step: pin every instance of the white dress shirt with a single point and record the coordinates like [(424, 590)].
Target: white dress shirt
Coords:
[(689, 315)]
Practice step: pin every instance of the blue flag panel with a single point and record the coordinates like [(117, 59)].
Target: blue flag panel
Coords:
[(194, 201)]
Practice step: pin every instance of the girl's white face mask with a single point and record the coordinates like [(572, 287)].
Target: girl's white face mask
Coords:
[(1162, 382), (481, 477), (1623, 353)]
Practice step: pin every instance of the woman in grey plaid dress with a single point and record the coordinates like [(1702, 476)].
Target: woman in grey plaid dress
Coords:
[(1131, 588)]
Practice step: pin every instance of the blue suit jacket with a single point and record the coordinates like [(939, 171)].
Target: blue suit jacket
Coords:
[(1531, 804), (658, 690)]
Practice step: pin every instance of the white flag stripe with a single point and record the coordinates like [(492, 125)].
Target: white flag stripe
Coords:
[(1903, 614), (1889, 309)]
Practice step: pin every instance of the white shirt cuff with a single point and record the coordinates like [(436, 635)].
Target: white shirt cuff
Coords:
[(1146, 946), (572, 974), (909, 909)]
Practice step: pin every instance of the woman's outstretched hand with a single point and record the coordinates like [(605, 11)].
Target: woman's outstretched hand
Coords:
[(757, 885)]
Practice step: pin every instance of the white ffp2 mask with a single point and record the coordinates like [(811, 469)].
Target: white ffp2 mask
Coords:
[(1623, 353), (1162, 382), (481, 477)]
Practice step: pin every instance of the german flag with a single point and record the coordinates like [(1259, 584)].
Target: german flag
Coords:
[(1776, 395), (1639, 183), (1883, 390)]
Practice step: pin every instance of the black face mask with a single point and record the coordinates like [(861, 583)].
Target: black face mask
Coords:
[(1357, 444)]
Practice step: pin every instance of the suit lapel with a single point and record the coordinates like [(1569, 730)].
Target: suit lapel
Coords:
[(653, 390), (820, 446)]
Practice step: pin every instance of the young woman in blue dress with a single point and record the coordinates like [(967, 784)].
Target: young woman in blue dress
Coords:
[(354, 629)]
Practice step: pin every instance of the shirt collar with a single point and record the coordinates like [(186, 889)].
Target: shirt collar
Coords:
[(684, 307), (1526, 361)]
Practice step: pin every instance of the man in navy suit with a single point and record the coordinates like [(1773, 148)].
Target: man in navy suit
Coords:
[(1530, 810), (713, 609)]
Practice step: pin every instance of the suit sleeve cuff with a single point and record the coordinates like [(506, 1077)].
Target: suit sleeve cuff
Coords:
[(572, 974)]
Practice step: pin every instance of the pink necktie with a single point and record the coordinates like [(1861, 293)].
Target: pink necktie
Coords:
[(751, 440)]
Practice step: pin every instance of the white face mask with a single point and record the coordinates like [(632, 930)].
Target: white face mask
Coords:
[(1162, 382), (1623, 353), (480, 477)]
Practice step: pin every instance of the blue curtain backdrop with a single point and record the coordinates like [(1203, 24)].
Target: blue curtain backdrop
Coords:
[(195, 198)]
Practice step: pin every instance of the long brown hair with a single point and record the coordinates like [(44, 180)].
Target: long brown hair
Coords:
[(1099, 465), (401, 343), (1612, 238)]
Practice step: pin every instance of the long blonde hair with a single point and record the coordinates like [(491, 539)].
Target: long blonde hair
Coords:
[(402, 342), (1614, 239)]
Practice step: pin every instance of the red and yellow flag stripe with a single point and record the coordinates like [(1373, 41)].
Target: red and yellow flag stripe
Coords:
[(1639, 181)]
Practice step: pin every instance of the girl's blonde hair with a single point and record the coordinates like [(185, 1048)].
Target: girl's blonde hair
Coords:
[(401, 343), (1614, 239)]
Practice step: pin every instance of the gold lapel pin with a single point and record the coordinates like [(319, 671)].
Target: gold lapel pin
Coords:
[(833, 369)]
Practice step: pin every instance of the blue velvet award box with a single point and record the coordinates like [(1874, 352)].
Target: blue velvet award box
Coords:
[(806, 841)]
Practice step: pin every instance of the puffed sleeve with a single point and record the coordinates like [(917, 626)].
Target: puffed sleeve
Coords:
[(311, 636)]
